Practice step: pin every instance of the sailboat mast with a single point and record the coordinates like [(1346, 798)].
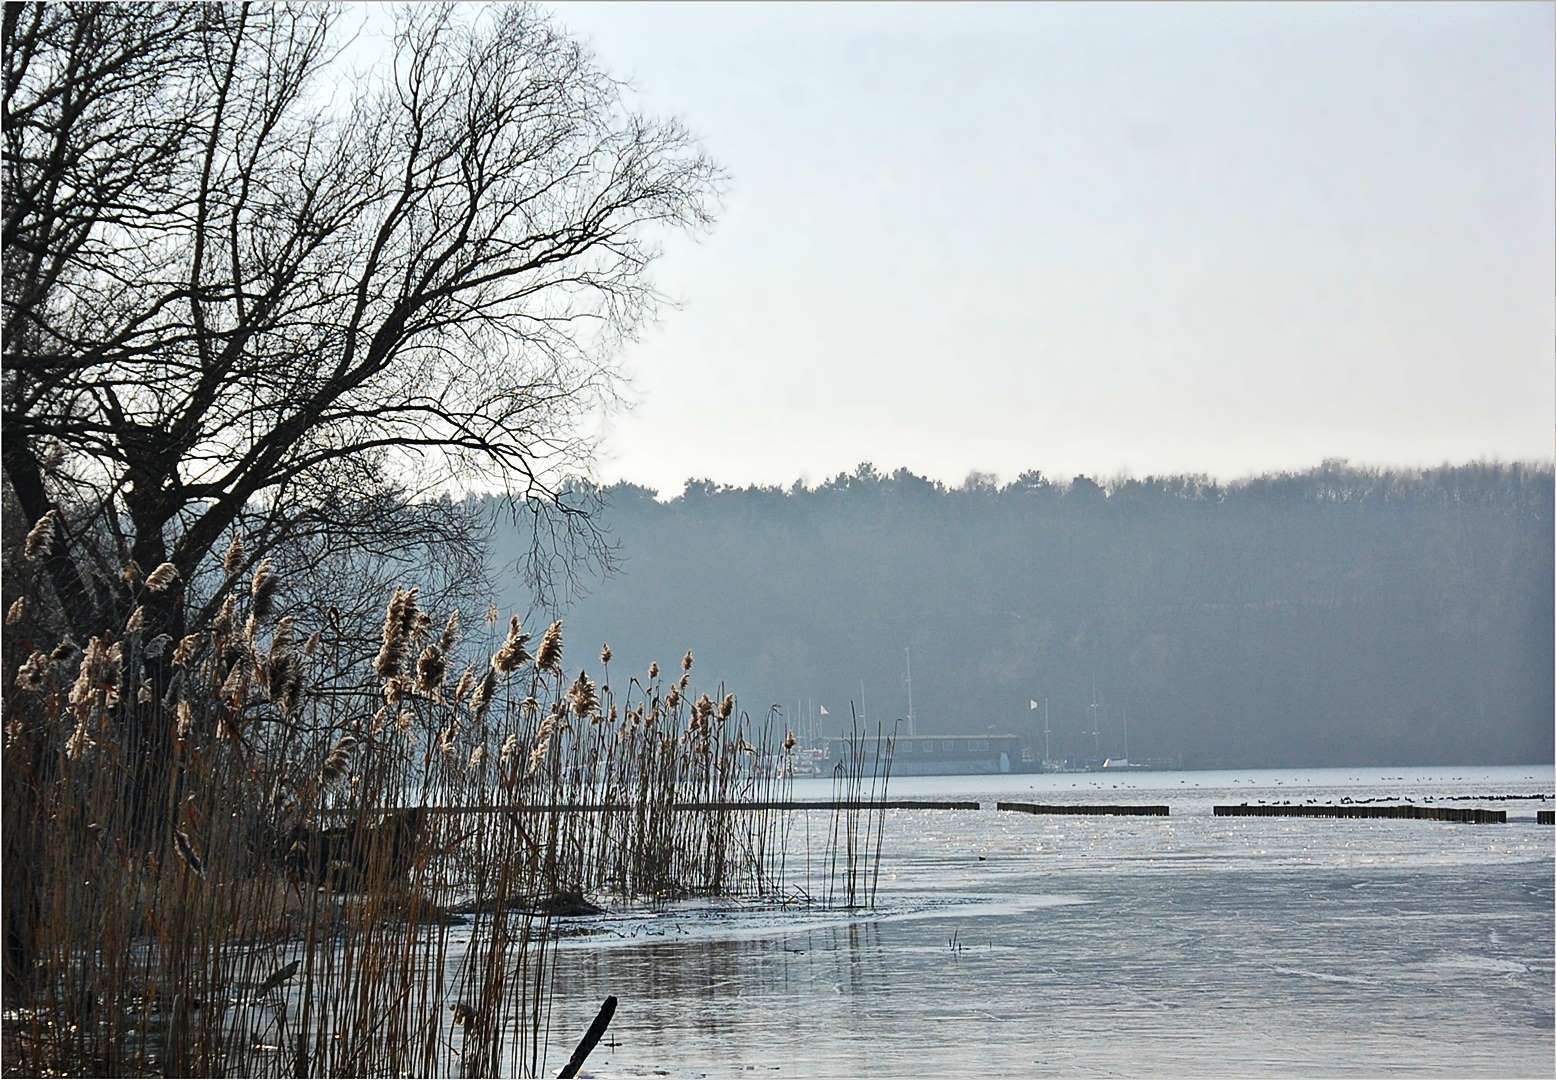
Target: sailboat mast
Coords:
[(908, 651), (1045, 730), (1096, 728)]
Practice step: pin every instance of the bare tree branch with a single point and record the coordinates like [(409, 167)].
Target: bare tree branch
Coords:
[(227, 307)]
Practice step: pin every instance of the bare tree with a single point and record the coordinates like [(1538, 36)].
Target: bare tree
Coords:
[(233, 302)]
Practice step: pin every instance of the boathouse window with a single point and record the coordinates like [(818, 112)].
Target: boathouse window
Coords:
[(977, 744), (948, 746)]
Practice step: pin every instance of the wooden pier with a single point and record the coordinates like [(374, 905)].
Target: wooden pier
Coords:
[(1126, 810), (1407, 811), (1545, 817)]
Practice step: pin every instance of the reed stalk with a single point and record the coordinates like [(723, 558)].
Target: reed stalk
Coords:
[(284, 903)]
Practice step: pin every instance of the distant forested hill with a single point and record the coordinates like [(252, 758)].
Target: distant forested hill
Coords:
[(1336, 616)]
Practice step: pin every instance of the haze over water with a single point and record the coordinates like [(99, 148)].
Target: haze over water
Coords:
[(1006, 944)]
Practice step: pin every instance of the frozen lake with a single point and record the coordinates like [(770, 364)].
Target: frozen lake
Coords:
[(1005, 944)]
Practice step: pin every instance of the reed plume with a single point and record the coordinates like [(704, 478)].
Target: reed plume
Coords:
[(162, 578), (222, 623), (32, 673), (513, 653), (550, 727), (465, 684), (16, 612), (186, 649), (482, 699), (232, 559), (97, 684), (41, 536), (281, 638), (582, 696), (549, 657), (284, 669), (450, 636), (235, 686), (431, 670), (262, 590), (400, 621), (337, 759)]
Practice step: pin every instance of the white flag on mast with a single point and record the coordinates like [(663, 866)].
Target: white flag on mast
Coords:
[(822, 709), (1031, 705)]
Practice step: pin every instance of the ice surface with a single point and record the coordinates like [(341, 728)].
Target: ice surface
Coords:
[(1006, 944)]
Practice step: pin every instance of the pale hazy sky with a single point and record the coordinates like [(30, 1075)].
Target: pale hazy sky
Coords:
[(1078, 237)]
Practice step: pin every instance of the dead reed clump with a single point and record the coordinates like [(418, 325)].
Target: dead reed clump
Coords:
[(293, 910)]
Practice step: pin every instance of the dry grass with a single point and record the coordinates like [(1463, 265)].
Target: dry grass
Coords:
[(273, 896)]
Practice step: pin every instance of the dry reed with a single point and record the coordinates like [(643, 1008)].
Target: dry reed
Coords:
[(288, 910)]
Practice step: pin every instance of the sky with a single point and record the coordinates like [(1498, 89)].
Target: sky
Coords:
[(1092, 238)]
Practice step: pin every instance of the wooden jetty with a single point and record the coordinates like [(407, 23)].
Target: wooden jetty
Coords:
[(1126, 809), (1408, 811), (1545, 817)]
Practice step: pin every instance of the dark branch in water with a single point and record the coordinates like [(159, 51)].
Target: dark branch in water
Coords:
[(591, 1038)]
